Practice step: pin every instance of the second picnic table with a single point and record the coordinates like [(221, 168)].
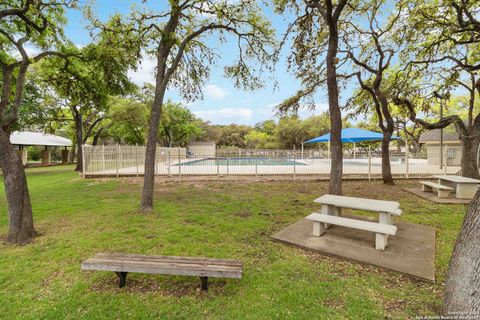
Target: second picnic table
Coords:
[(465, 188)]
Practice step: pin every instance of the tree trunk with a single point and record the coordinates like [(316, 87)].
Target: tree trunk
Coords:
[(336, 168), (463, 277), (20, 215), (386, 168), (96, 137), (79, 137), (150, 155), (469, 157)]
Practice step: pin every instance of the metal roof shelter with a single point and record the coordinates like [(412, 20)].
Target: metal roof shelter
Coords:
[(353, 135), (28, 138)]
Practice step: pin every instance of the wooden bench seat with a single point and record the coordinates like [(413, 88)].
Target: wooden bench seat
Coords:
[(381, 230), (204, 268), (442, 191)]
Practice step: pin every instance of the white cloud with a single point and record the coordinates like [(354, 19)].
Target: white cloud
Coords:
[(226, 115), (270, 111), (145, 72), (304, 112), (215, 92)]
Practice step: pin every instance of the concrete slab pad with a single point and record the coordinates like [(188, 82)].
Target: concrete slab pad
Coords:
[(411, 251), (430, 196)]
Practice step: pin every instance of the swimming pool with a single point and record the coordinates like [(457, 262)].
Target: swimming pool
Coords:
[(242, 162)]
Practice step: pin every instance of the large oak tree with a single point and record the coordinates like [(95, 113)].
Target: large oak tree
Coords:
[(181, 39), (29, 24), (316, 34)]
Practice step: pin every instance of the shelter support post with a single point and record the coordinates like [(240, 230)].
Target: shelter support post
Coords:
[(369, 163), (46, 156), (65, 155), (22, 153)]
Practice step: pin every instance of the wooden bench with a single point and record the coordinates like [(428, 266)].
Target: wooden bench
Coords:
[(442, 191), (381, 230), (201, 267)]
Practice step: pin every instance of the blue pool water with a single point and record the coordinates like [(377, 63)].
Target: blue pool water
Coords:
[(242, 162)]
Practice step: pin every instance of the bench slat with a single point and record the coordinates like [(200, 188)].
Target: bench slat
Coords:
[(162, 264), (202, 267), (436, 185), (175, 259), (354, 224)]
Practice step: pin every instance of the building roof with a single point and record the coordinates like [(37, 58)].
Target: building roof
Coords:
[(434, 135), (28, 138)]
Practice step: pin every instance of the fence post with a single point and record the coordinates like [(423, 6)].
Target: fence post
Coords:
[(256, 167), (294, 163), (136, 156), (369, 163), (407, 156), (169, 161), (116, 159), (103, 158), (446, 160), (84, 163), (179, 165), (228, 166)]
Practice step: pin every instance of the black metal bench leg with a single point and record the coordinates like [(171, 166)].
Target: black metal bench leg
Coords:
[(122, 279), (204, 283)]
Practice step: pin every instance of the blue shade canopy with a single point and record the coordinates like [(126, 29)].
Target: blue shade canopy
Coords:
[(353, 135)]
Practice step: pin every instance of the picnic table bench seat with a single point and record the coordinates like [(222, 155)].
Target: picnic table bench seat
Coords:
[(464, 188), (442, 190), (202, 267), (331, 211), (380, 230)]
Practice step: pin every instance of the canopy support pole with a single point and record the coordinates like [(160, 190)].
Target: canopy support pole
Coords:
[(354, 152), (369, 162), (302, 150)]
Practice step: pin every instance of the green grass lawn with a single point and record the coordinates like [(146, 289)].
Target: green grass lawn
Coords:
[(78, 218)]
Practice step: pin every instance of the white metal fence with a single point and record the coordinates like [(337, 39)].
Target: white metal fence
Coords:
[(127, 160)]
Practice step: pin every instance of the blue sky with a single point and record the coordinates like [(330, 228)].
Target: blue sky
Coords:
[(222, 103)]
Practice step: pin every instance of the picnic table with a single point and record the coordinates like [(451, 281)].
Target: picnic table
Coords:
[(331, 210), (465, 188)]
